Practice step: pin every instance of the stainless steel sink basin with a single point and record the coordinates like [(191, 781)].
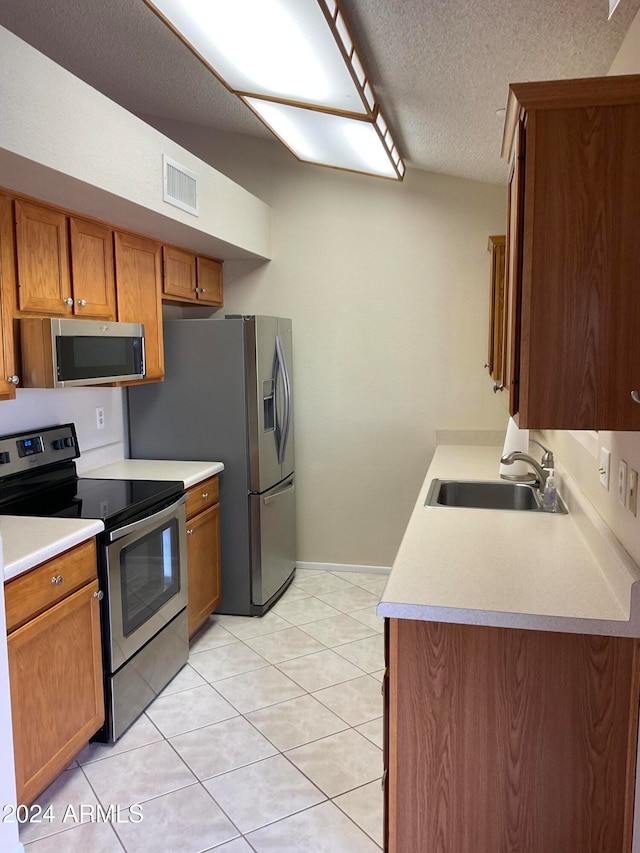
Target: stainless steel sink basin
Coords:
[(486, 494)]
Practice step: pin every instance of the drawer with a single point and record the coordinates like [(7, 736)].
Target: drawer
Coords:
[(202, 495), (35, 591)]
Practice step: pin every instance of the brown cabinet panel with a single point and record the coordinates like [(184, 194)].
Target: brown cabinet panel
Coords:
[(504, 739), (92, 272), (55, 674), (179, 273), (202, 495), (209, 281), (8, 367), (495, 357), (203, 560), (43, 259), (139, 286), (29, 594), (573, 253)]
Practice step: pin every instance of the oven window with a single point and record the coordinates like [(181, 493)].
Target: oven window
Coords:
[(149, 574)]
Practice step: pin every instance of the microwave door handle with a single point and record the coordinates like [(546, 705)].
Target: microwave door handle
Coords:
[(147, 521)]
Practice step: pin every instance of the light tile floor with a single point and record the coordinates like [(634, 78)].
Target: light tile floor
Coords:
[(269, 740)]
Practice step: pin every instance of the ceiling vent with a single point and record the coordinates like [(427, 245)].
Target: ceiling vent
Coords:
[(180, 186)]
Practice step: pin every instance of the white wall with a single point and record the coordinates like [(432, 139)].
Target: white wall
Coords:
[(387, 285), (62, 141), (38, 408)]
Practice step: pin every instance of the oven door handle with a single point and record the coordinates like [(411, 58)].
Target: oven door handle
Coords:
[(147, 521)]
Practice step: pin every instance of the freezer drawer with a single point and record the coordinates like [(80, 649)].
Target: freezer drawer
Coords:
[(273, 540)]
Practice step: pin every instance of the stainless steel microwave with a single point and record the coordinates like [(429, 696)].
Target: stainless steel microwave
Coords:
[(60, 353)]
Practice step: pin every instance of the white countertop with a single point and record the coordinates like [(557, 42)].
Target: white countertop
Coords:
[(189, 473), (31, 541), (511, 569), (27, 542)]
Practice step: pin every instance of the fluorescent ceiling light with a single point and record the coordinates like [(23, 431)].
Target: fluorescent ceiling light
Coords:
[(292, 52), (327, 139)]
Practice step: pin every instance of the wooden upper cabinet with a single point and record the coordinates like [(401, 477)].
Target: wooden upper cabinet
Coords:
[(8, 377), (188, 277), (209, 281), (92, 270), (573, 253), (139, 284), (495, 358), (179, 273), (44, 283)]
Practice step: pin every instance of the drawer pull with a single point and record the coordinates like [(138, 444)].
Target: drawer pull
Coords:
[(190, 531), (205, 495), (99, 595), (56, 580)]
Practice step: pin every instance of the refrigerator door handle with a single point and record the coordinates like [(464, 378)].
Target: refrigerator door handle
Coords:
[(270, 498), (282, 364)]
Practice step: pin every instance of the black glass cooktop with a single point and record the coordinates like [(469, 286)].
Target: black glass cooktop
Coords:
[(113, 501)]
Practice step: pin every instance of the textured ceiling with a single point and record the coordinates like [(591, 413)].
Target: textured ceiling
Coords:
[(441, 69)]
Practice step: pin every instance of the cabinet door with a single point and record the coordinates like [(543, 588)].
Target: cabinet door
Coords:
[(179, 273), (138, 290), (209, 281), (513, 290), (44, 284), (8, 377), (505, 739), (203, 561), (495, 361), (57, 702), (92, 273)]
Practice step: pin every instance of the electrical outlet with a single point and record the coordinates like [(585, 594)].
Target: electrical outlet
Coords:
[(622, 482), (99, 417), (605, 466), (632, 495)]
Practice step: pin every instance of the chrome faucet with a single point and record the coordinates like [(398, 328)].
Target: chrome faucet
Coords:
[(517, 456), (539, 468)]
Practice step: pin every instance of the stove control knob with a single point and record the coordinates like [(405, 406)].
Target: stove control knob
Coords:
[(58, 444), (4, 457), (68, 442)]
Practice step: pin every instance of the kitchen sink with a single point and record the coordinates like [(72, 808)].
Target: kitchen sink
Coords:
[(487, 494)]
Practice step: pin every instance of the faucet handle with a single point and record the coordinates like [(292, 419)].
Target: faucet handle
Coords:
[(547, 457)]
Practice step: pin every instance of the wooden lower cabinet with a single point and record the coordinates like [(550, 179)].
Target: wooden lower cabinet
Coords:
[(55, 675), (505, 740), (203, 553)]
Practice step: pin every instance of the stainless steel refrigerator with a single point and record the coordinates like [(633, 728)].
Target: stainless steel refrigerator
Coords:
[(227, 396)]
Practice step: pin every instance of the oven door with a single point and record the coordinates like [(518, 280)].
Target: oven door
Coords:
[(146, 582)]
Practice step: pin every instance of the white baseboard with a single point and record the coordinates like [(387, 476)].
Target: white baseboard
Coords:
[(343, 567)]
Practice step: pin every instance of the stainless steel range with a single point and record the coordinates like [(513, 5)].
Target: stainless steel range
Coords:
[(142, 565)]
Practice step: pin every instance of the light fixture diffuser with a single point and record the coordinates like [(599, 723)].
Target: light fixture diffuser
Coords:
[(293, 53)]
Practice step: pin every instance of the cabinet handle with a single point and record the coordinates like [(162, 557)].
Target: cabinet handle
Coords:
[(190, 531), (99, 595), (205, 495), (635, 396), (56, 580), (497, 387), (68, 301), (82, 302), (203, 290), (13, 380), (383, 781)]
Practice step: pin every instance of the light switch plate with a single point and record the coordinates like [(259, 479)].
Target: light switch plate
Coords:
[(622, 482), (605, 467)]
